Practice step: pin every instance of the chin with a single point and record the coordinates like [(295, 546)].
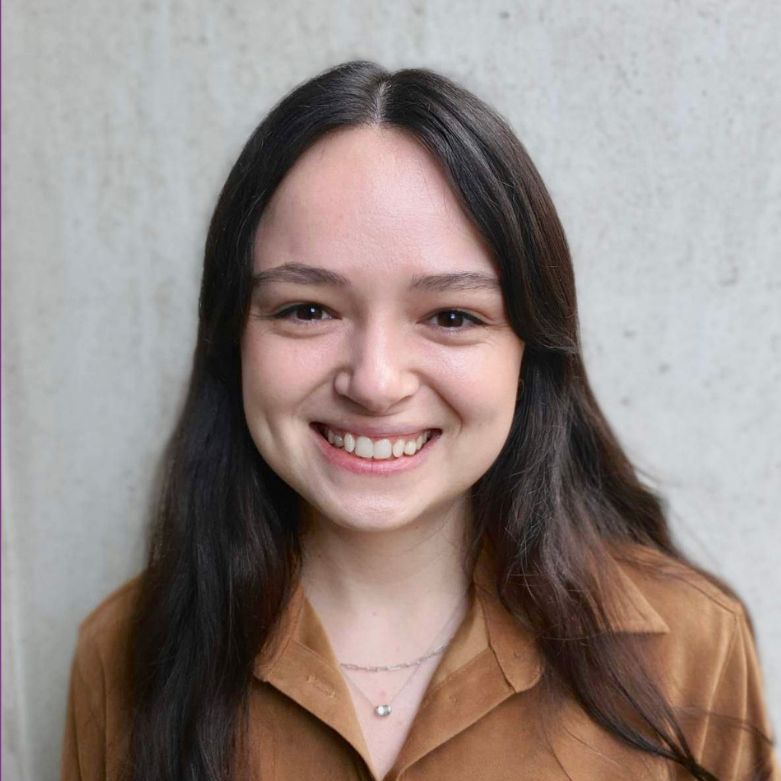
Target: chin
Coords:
[(366, 523), (369, 520)]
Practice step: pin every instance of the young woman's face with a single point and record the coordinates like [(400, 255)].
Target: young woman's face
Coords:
[(377, 313)]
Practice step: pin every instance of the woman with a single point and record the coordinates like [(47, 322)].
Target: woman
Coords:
[(396, 537)]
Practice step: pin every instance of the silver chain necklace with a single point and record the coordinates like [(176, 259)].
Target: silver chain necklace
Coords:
[(383, 668), (385, 709)]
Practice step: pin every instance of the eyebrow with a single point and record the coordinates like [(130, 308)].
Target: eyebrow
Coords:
[(303, 274)]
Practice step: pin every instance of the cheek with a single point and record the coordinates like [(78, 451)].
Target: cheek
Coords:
[(487, 380), (263, 376), (277, 373), (270, 383), (488, 401)]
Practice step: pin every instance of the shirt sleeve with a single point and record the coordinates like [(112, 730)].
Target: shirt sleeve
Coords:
[(83, 751), (737, 744)]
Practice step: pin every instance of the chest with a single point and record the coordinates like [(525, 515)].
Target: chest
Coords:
[(401, 692)]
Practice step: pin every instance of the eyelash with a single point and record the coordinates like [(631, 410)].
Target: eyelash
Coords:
[(285, 313)]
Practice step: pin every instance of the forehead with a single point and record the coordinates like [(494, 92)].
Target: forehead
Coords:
[(369, 199)]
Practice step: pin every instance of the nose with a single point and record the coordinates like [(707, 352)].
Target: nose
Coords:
[(379, 371)]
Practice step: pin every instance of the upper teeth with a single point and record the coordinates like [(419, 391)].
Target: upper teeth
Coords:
[(364, 447)]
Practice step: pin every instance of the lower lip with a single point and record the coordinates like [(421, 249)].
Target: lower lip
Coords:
[(365, 466)]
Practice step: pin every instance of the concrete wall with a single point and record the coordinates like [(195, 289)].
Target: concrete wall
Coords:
[(655, 125)]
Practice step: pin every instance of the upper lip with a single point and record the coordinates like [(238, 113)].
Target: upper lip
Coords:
[(376, 431)]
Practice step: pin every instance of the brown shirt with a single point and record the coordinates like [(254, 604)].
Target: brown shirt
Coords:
[(484, 715)]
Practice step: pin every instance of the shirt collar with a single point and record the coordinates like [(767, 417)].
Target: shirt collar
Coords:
[(513, 644), (627, 608), (300, 663), (628, 611)]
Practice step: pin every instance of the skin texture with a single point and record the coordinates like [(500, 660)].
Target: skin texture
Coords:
[(383, 554)]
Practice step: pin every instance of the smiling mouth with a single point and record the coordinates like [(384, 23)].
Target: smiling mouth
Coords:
[(381, 449)]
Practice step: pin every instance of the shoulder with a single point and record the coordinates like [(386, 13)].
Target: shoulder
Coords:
[(99, 712), (706, 660), (678, 590), (113, 610), (699, 620), (103, 638)]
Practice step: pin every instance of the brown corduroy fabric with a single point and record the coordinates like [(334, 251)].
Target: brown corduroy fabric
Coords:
[(485, 716)]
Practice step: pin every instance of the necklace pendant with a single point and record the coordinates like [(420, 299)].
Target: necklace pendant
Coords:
[(383, 710)]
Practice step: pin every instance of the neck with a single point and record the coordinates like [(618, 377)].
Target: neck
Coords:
[(417, 570)]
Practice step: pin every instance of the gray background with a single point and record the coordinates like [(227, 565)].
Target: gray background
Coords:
[(654, 123)]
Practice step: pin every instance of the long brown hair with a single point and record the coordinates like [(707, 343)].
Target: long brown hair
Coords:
[(561, 494)]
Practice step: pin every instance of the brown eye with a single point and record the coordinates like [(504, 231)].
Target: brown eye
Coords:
[(308, 311), (454, 320)]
